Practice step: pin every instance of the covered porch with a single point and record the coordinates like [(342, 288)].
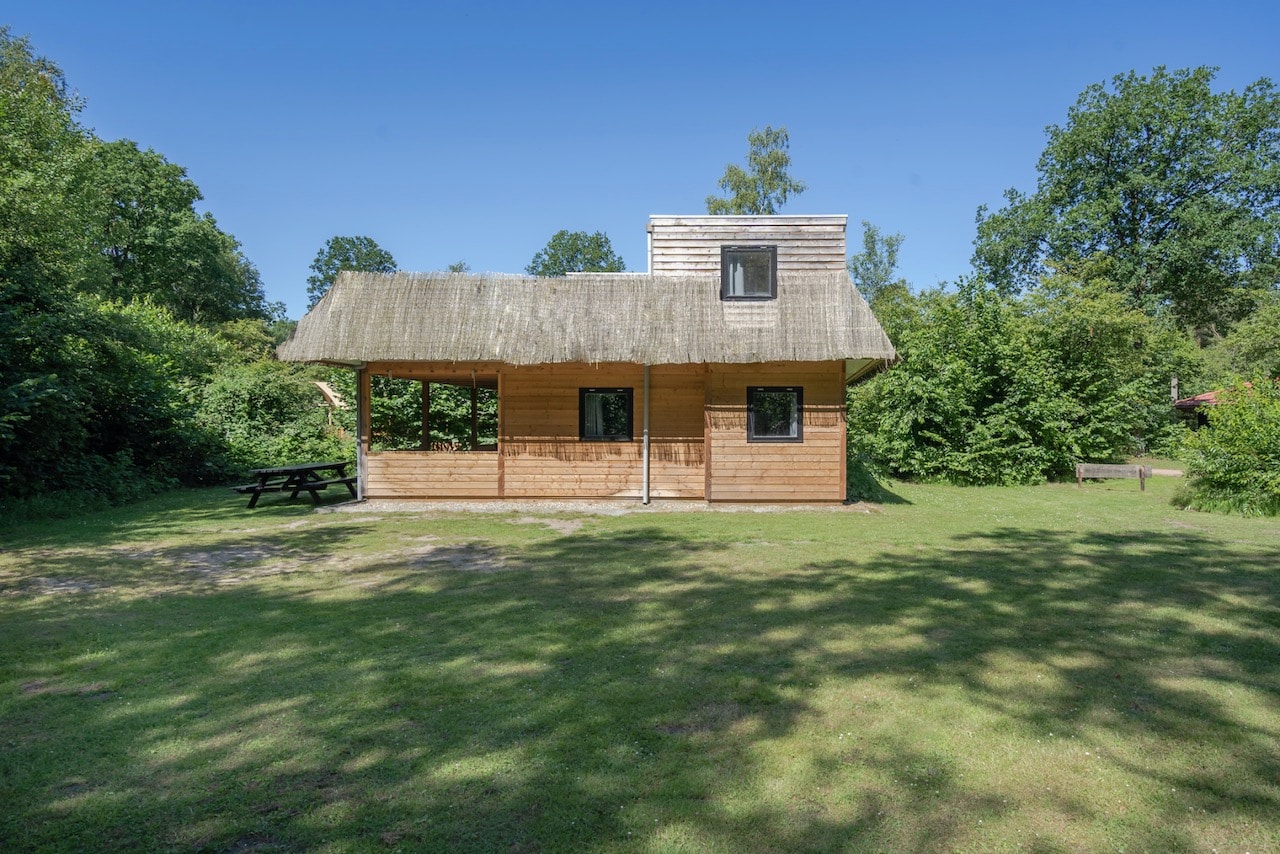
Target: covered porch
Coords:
[(445, 446)]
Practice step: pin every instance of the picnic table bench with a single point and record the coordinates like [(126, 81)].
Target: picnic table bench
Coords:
[(303, 477), (1100, 470)]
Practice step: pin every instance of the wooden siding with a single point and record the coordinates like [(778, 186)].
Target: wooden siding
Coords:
[(698, 438), (811, 470), (691, 244), (543, 456), (431, 474)]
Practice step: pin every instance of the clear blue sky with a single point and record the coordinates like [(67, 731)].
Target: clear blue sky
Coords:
[(474, 131)]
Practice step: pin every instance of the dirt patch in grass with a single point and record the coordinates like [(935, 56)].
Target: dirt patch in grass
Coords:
[(711, 717), (62, 585), (464, 557), (43, 687), (560, 526)]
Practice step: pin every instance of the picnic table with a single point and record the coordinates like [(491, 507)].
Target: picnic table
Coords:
[(303, 477)]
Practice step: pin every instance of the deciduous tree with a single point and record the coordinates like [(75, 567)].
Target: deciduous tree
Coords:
[(158, 247), (576, 252), (1175, 185), (362, 254), (765, 185)]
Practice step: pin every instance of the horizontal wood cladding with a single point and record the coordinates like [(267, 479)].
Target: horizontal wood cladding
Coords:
[(698, 437), (691, 244), (426, 474), (543, 455), (811, 470)]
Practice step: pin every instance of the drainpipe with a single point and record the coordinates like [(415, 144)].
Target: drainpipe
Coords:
[(644, 489)]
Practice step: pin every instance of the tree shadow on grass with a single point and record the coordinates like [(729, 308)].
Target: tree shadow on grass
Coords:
[(624, 687)]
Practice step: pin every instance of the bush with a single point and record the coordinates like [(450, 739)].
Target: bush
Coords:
[(994, 389), (270, 413), (1233, 462)]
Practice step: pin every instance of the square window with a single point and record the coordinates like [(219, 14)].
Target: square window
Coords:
[(604, 414), (748, 272), (775, 414)]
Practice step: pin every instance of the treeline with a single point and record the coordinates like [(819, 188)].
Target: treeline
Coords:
[(135, 337), (1150, 250)]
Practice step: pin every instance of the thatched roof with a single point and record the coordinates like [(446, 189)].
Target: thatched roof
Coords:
[(594, 318)]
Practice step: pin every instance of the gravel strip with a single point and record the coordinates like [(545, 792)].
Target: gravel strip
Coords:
[(582, 507)]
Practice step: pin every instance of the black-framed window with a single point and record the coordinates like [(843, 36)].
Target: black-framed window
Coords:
[(748, 272), (775, 414), (605, 414)]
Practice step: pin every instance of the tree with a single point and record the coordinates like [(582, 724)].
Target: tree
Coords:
[(158, 247), (362, 254), (1176, 186), (1253, 347), (458, 267), (764, 186), (998, 389), (44, 217), (872, 269), (103, 264), (576, 252)]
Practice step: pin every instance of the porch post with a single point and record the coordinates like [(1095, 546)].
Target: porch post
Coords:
[(475, 440), (363, 425), (425, 444)]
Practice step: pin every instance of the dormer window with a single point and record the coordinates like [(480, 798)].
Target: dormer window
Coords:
[(748, 272)]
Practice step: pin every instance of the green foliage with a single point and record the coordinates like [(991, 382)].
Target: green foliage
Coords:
[(993, 389), (1234, 461), (1176, 185), (361, 254), (251, 339), (765, 185), (105, 272), (396, 412), (157, 245), (576, 252), (271, 413), (1253, 347), (872, 269), (451, 415), (114, 413), (458, 267)]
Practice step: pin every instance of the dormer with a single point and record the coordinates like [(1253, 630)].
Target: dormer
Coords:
[(749, 253)]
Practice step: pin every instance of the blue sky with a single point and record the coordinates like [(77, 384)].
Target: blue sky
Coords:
[(475, 131)]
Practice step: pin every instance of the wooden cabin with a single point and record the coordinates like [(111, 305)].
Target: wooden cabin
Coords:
[(719, 375)]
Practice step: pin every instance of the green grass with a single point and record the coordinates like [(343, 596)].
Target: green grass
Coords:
[(1044, 668)]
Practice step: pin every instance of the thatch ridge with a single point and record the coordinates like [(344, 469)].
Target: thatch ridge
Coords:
[(636, 318)]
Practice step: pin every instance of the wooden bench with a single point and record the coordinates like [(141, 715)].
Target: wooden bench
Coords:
[(1100, 471)]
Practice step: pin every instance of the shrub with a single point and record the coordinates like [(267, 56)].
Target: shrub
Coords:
[(1233, 462), (994, 389), (270, 413)]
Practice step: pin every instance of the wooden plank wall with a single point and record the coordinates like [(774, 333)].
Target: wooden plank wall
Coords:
[(691, 244), (812, 470), (432, 474), (543, 456), (698, 444)]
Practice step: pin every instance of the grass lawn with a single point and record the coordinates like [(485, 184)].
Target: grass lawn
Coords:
[(1044, 668)]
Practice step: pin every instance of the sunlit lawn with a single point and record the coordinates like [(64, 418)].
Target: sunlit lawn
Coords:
[(1045, 668)]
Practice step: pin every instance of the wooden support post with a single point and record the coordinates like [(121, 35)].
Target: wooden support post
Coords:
[(502, 469), (364, 396), (475, 439), (425, 444)]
